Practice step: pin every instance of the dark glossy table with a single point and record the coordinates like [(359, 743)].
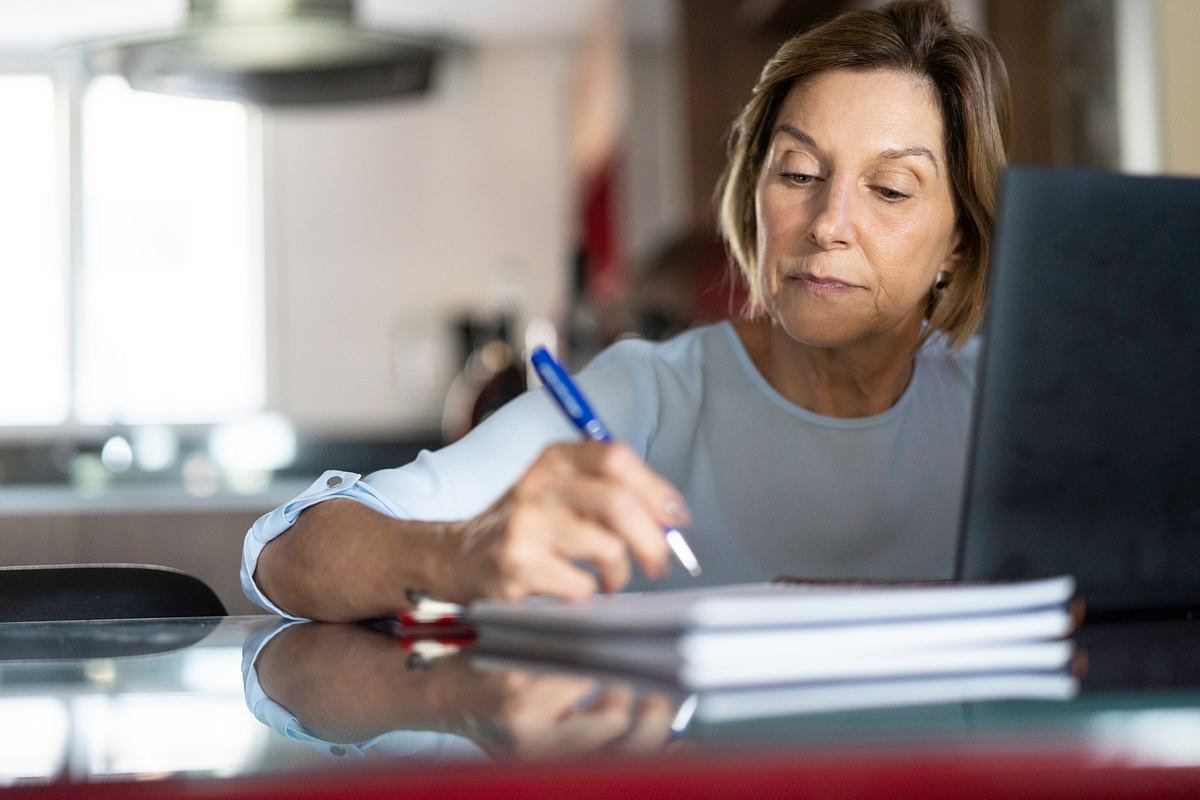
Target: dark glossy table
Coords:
[(250, 707)]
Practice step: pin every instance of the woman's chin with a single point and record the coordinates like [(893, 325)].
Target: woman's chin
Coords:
[(815, 324), (836, 325), (816, 333)]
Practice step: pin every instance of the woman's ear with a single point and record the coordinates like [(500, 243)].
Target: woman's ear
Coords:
[(955, 253)]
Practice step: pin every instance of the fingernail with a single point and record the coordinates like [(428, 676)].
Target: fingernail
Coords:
[(677, 509)]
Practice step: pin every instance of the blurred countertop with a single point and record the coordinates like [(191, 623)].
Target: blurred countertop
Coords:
[(31, 484), (44, 499)]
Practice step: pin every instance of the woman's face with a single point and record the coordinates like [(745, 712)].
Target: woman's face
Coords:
[(855, 212)]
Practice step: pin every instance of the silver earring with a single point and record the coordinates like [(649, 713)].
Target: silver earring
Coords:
[(941, 281)]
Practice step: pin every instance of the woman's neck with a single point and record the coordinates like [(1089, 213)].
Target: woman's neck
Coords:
[(859, 380)]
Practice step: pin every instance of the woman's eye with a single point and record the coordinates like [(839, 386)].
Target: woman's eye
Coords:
[(799, 178), (888, 193)]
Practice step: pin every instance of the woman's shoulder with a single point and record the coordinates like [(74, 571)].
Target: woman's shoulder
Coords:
[(646, 374), (685, 352), (949, 364)]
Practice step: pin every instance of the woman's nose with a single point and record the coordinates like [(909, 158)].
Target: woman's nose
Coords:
[(832, 225)]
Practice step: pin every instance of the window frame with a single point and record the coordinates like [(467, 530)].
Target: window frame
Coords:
[(70, 79)]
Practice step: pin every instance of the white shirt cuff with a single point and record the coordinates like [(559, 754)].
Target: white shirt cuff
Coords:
[(331, 484)]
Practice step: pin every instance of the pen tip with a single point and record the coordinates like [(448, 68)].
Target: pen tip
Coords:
[(684, 553)]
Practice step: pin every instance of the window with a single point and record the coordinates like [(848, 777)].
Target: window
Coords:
[(161, 319), (171, 316), (33, 275)]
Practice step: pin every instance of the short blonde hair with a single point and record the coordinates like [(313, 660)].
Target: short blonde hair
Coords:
[(970, 83)]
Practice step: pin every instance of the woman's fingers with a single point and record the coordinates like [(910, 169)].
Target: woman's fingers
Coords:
[(611, 522), (665, 502), (617, 462), (582, 541), (585, 504), (534, 564), (611, 485), (568, 539)]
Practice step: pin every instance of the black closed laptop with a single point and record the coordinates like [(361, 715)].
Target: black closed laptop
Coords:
[(1086, 449)]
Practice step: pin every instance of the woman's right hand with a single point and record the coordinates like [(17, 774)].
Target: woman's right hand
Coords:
[(588, 503)]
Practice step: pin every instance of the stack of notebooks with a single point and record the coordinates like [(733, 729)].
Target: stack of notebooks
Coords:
[(793, 646)]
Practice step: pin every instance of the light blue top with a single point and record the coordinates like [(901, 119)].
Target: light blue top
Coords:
[(774, 489)]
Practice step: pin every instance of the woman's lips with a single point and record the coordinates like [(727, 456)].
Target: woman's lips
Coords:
[(822, 284)]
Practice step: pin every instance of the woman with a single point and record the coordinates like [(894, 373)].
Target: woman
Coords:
[(823, 435)]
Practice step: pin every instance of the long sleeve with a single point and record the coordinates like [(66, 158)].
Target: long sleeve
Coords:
[(464, 478)]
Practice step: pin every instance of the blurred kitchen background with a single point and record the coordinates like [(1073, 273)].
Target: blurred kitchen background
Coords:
[(243, 242)]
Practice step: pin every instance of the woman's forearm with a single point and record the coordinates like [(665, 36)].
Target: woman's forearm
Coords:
[(589, 502), (342, 561)]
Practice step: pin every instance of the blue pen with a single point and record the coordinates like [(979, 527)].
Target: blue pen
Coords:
[(571, 400)]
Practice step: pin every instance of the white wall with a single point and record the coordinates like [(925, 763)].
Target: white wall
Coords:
[(1156, 81), (654, 185), (1138, 86), (382, 221)]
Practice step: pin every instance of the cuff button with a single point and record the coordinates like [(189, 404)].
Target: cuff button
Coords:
[(334, 482)]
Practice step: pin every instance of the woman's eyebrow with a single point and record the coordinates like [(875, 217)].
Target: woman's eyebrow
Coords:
[(891, 153), (796, 133), (912, 151)]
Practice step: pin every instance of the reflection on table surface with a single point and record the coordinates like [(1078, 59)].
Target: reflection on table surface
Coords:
[(255, 695)]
